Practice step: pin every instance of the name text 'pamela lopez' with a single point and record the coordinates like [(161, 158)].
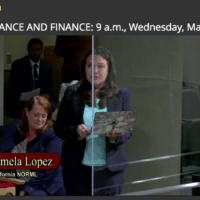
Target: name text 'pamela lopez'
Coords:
[(33, 162)]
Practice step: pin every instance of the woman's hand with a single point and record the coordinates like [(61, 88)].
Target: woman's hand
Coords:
[(112, 135), (81, 130), (22, 193)]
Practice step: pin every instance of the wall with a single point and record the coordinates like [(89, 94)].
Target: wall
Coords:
[(17, 45), (151, 68), (191, 59), (1, 78)]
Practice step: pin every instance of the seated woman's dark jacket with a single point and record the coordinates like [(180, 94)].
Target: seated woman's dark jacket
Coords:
[(48, 142)]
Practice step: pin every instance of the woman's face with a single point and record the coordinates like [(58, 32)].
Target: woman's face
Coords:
[(37, 117), (100, 70)]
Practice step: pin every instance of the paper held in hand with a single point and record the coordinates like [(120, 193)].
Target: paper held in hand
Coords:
[(25, 96), (122, 121)]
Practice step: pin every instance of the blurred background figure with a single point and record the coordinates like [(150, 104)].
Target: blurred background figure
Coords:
[(27, 74), (73, 49)]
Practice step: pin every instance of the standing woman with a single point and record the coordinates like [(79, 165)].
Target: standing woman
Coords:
[(75, 115), (34, 134)]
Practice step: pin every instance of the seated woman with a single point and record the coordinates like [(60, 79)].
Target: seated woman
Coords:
[(75, 115), (34, 134)]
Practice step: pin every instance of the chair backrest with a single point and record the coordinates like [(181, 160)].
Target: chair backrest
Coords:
[(63, 87), (190, 104), (7, 189)]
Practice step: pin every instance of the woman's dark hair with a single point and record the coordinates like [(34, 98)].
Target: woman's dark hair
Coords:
[(23, 125), (109, 90)]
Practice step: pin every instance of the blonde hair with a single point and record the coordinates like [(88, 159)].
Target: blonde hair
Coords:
[(23, 126)]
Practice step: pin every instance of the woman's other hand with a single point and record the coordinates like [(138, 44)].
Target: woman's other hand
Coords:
[(81, 130), (112, 135), (22, 193)]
